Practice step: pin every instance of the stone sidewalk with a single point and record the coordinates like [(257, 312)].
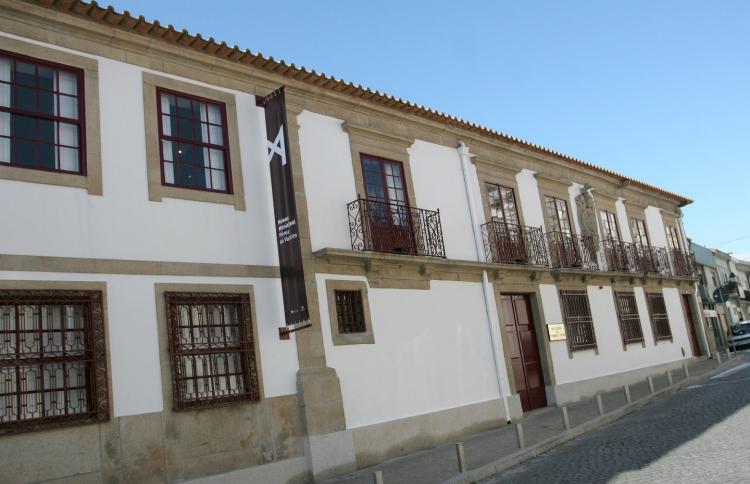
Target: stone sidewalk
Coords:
[(543, 429)]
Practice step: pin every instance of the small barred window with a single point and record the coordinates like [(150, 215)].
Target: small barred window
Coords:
[(350, 312)]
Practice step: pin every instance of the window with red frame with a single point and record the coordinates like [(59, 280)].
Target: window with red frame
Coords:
[(673, 240), (502, 203), (193, 140), (41, 115), (609, 222)]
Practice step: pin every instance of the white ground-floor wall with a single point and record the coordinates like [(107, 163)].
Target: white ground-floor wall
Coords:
[(132, 334), (432, 352), (610, 357)]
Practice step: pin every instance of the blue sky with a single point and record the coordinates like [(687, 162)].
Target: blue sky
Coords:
[(659, 91)]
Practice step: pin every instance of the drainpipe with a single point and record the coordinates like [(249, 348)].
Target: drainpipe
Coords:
[(695, 288), (488, 292)]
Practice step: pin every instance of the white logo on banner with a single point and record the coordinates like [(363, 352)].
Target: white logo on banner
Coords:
[(278, 147)]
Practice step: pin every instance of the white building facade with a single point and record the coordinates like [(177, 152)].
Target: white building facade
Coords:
[(456, 277)]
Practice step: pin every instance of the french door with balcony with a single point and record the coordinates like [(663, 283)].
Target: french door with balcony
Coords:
[(507, 236), (564, 249), (389, 217)]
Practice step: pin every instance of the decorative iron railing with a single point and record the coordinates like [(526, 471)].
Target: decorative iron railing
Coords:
[(682, 264), (568, 250), (389, 227), (629, 257), (506, 243), (619, 256)]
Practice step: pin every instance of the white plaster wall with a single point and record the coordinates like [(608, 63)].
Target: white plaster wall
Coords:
[(439, 184), (611, 357), (432, 352), (655, 226), (123, 223), (622, 221), (132, 335), (528, 196), (329, 179)]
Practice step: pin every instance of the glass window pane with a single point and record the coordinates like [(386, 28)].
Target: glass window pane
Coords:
[(169, 173), (4, 150), (68, 83), (5, 67), (216, 133), (166, 125), (4, 124), (218, 180), (46, 78), (68, 134), (4, 95), (46, 102), (167, 150), (25, 98), (25, 73), (214, 114), (217, 159), (69, 159), (69, 107)]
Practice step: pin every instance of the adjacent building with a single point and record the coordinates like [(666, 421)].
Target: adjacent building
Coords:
[(456, 277)]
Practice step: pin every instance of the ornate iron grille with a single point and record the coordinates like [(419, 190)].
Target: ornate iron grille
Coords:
[(630, 322), (213, 350), (569, 250), (579, 326), (657, 311), (391, 227), (53, 368), (507, 243), (682, 264), (350, 312)]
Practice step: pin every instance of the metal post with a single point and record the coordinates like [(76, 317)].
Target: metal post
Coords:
[(599, 404), (377, 477), (627, 393), (729, 355), (650, 384), (461, 457), (718, 357), (685, 369), (669, 378), (519, 436), (565, 418)]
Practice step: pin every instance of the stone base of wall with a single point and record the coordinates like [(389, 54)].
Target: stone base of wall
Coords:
[(566, 393), (165, 447), (378, 442)]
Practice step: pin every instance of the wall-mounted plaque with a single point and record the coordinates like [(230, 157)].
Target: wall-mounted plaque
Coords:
[(556, 332)]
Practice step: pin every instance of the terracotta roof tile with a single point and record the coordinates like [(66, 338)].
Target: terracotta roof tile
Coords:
[(124, 20)]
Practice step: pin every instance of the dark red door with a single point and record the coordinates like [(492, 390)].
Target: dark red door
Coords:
[(388, 206), (524, 351), (690, 326)]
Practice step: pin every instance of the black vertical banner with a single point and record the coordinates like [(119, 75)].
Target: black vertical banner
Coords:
[(285, 209)]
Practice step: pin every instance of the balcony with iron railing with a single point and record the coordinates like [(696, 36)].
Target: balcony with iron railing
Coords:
[(571, 251), (682, 264), (393, 228), (506, 243), (630, 257)]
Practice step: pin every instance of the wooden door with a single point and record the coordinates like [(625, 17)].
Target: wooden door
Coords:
[(690, 326), (388, 206), (524, 351)]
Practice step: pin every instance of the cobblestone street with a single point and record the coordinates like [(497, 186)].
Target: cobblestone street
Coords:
[(698, 435)]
